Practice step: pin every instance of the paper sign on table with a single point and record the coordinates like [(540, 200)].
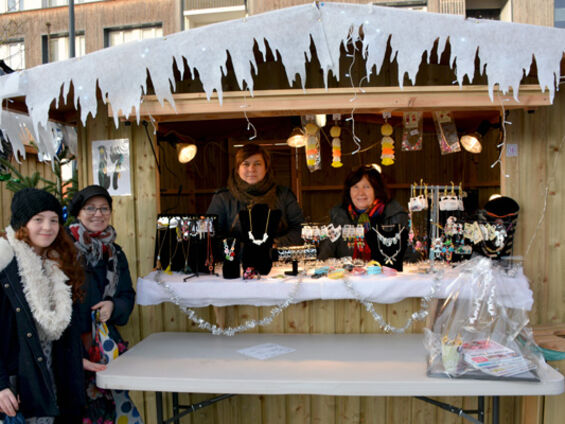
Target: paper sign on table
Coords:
[(266, 351)]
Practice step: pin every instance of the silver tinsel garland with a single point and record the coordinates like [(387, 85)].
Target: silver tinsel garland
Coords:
[(276, 310), (416, 316), (230, 331)]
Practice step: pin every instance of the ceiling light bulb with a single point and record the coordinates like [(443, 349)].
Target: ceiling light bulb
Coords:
[(321, 121), (186, 152), (296, 138), (472, 143)]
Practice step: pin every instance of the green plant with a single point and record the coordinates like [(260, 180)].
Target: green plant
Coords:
[(63, 190)]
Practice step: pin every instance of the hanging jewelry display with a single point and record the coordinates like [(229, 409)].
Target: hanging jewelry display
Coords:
[(419, 202), (265, 233), (173, 224), (183, 237), (191, 232), (418, 211), (209, 254), (446, 132), (412, 131), (162, 227)]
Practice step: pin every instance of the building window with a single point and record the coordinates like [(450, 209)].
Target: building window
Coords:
[(13, 54), (195, 18), (560, 13), (488, 9), (421, 5), (116, 36), (55, 3), (56, 47), (19, 5)]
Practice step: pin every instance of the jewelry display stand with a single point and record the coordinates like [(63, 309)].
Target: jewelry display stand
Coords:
[(183, 243), (502, 213), (259, 225), (232, 258), (388, 244), (294, 254)]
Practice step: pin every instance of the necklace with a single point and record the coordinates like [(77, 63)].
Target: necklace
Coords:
[(209, 254), (388, 241), (389, 259), (184, 237), (229, 251), (265, 235)]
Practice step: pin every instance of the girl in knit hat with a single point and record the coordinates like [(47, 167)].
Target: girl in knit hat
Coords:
[(41, 360)]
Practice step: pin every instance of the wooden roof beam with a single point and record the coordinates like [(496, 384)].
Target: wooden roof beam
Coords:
[(195, 106)]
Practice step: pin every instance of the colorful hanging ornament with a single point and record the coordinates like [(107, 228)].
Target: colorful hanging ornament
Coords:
[(335, 132), (387, 144), (313, 156)]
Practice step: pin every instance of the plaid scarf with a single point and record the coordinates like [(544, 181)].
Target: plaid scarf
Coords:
[(96, 247), (363, 217)]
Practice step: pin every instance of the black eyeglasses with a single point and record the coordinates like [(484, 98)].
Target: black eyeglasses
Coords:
[(91, 210)]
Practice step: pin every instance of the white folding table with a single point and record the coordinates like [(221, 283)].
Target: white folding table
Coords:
[(321, 364)]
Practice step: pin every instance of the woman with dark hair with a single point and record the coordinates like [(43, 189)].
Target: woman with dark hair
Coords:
[(41, 361), (251, 182), (365, 202)]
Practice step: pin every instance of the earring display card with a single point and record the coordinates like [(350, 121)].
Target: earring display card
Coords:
[(412, 131), (446, 133)]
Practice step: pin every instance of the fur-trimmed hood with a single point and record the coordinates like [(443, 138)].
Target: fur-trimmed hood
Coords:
[(6, 253)]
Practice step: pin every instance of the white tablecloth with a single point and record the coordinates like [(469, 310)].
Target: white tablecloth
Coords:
[(213, 290)]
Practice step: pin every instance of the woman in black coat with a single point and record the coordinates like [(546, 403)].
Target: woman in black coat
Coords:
[(251, 182), (108, 288), (41, 362), (365, 202), (109, 293)]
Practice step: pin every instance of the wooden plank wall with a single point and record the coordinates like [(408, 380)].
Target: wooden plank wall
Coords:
[(536, 180)]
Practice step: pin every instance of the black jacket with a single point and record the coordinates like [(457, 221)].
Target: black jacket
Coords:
[(124, 298), (227, 208), (392, 214), (21, 354)]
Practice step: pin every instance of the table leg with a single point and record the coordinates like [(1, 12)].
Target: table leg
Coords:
[(495, 409), (176, 407), (481, 409), (159, 406)]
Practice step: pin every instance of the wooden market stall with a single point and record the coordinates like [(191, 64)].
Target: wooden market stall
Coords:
[(533, 123)]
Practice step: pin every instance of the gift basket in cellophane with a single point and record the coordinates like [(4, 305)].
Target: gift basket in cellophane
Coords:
[(480, 329)]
